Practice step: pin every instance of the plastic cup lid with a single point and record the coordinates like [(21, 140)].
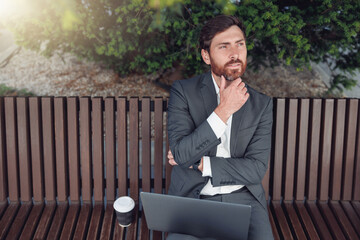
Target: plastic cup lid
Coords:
[(124, 204)]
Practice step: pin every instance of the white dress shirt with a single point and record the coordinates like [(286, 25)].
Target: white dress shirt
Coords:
[(222, 131)]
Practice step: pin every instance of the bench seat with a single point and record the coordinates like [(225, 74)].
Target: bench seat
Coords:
[(289, 220)]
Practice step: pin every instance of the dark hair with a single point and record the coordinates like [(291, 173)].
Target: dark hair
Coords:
[(217, 25)]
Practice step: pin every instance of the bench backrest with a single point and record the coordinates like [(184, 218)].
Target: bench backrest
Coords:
[(95, 149)]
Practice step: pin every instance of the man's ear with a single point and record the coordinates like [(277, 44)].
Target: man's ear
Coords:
[(205, 56)]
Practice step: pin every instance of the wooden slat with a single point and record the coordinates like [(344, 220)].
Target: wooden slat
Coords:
[(349, 157), (144, 231), (131, 231), (318, 220), (61, 149), (134, 161), (121, 120), (19, 221), (36, 149), (11, 149), (294, 220), (70, 221), (45, 221), (119, 232), (325, 154), (58, 221), (343, 220), (356, 187), (168, 167), (331, 220), (48, 147), (7, 219), (32, 222), (302, 152), (134, 148), (306, 220), (290, 150), (108, 222), (351, 213), (3, 170), (315, 121), (24, 149), (3, 206), (158, 148), (356, 206), (85, 152), (73, 148), (95, 222), (110, 149), (158, 151), (273, 225), (83, 222), (98, 151), (146, 144), (281, 218), (278, 149), (338, 149), (146, 158)]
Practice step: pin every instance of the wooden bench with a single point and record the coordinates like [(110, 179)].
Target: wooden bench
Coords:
[(63, 162)]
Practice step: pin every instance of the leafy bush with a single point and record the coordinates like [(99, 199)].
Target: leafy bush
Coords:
[(145, 37), (9, 91)]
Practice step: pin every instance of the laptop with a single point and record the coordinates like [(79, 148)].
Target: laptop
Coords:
[(196, 217)]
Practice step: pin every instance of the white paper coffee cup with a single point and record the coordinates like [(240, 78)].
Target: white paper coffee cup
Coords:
[(124, 208)]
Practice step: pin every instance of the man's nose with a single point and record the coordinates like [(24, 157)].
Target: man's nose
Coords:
[(234, 54)]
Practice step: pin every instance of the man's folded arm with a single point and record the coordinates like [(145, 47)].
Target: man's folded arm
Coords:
[(188, 143)]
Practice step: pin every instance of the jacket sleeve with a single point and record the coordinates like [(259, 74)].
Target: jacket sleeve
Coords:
[(188, 143), (250, 168)]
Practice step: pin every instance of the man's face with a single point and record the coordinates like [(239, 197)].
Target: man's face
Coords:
[(227, 54)]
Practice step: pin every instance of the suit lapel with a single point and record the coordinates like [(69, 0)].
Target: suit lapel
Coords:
[(237, 121), (208, 93)]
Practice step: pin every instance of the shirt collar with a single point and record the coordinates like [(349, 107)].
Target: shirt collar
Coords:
[(217, 90)]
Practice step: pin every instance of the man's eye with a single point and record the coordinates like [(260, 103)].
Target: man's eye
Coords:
[(241, 44), (221, 47)]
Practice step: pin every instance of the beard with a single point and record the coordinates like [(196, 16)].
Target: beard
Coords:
[(229, 74)]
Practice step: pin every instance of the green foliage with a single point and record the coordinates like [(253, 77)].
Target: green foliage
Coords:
[(9, 91), (148, 36), (341, 81)]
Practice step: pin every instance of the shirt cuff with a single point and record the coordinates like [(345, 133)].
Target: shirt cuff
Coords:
[(206, 167), (216, 124)]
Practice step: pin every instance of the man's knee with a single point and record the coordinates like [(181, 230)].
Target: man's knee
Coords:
[(260, 227)]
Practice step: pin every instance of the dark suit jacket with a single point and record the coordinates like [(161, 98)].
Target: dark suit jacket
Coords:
[(191, 137)]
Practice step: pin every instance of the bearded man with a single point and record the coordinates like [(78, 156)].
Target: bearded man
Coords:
[(220, 129)]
